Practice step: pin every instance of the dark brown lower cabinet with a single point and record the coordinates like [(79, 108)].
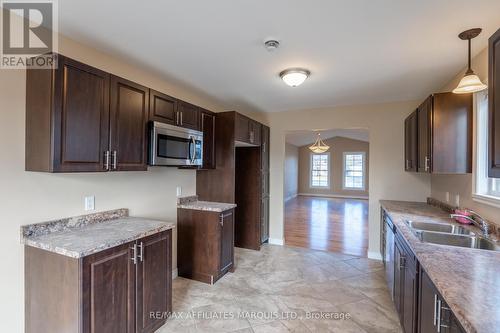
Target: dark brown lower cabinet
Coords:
[(205, 244), (405, 285), (433, 313), (106, 292)]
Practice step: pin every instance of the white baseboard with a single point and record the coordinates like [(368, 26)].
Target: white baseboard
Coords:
[(175, 273), (291, 197), (362, 197), (375, 255), (276, 241)]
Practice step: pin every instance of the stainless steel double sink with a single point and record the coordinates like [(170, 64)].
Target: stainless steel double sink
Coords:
[(450, 234)]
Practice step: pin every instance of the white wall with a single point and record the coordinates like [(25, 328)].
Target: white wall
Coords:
[(291, 171), (387, 177), (27, 197)]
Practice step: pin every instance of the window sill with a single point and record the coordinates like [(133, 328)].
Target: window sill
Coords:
[(487, 200), (353, 189)]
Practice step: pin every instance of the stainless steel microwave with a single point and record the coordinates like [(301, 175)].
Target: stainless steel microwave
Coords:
[(174, 146)]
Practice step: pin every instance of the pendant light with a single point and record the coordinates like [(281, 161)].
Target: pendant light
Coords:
[(319, 146), (470, 83)]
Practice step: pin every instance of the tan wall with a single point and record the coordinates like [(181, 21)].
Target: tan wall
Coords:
[(291, 171), (462, 184), (387, 179), (29, 197), (338, 145)]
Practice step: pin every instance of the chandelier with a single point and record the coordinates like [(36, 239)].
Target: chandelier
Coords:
[(319, 146)]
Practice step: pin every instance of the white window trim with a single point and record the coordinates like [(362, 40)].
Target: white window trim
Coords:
[(477, 197), (344, 170), (329, 171)]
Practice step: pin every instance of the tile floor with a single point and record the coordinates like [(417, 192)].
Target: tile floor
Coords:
[(287, 281)]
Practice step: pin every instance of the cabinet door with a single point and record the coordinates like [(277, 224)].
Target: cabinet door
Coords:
[(255, 132), (129, 114), (227, 241), (208, 128), (264, 229), (109, 291), (411, 154), (81, 133), (398, 279), (189, 115), (409, 300), (162, 108), (154, 280), (424, 136), (265, 135), (427, 305), (242, 128), (494, 105)]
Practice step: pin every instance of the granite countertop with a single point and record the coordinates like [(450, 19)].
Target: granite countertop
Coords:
[(468, 279), (192, 202), (80, 236)]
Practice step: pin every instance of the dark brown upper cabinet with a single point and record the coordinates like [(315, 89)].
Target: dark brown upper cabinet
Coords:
[(208, 129), (81, 119), (247, 130), (128, 120), (494, 105), (67, 118), (444, 134), (411, 143), (188, 115), (162, 108)]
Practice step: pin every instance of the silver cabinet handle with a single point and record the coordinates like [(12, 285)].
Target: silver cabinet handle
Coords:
[(435, 310), (439, 316), (427, 162), (402, 261), (252, 136), (141, 253), (134, 254), (182, 122), (113, 160), (106, 160), (223, 216), (193, 156), (177, 118)]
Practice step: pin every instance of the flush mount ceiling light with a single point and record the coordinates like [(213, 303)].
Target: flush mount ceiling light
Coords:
[(294, 76), (319, 146), (470, 83)]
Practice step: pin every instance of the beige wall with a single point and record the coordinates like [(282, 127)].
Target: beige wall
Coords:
[(28, 197), (462, 184), (338, 145), (291, 171), (387, 179)]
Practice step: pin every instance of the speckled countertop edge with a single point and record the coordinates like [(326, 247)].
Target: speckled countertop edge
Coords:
[(192, 202), (83, 235), (467, 279)]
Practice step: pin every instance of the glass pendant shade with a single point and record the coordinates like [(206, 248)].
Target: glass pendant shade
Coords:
[(319, 146), (470, 83)]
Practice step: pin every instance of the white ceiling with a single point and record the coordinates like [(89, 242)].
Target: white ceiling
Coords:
[(302, 138), (359, 51)]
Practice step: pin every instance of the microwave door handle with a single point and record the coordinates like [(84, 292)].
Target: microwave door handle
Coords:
[(193, 145)]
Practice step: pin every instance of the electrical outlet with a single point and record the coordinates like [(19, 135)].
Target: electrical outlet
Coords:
[(90, 203), (457, 200), (179, 191), (448, 197)]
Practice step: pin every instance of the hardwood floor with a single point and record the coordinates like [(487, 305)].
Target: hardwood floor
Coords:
[(330, 224)]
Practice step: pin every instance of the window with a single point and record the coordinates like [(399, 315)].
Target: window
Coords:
[(486, 189), (320, 169), (354, 171)]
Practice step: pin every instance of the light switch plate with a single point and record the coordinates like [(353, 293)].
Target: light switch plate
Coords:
[(179, 191), (90, 203)]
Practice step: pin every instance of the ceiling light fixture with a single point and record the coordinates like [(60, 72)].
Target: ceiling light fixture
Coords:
[(470, 83), (319, 146), (294, 76)]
